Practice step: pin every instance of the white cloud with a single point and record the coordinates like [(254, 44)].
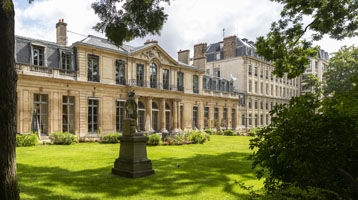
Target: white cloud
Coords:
[(189, 22)]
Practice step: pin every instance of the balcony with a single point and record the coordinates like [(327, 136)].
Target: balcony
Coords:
[(34, 70)]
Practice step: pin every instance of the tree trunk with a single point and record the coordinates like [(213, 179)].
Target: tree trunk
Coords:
[(8, 77)]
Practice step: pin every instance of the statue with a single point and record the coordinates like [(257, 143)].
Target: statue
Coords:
[(131, 106)]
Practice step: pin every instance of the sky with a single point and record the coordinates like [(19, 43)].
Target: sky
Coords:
[(189, 22)]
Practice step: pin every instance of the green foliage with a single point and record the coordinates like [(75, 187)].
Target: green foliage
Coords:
[(64, 138), (284, 44), (342, 69), (110, 138), (154, 140), (209, 131), (134, 18), (311, 82), (196, 137), (230, 132), (313, 143), (26, 140), (253, 131), (179, 139)]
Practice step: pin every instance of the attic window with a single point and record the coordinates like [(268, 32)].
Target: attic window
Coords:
[(66, 61), (218, 57), (38, 55)]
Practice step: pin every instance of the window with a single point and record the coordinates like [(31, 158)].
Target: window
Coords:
[(250, 86), (243, 119), (267, 118), (272, 90), (195, 84), (225, 122), (266, 106), (195, 117), (266, 74), (256, 120), (250, 119), (41, 109), (93, 68), (141, 116), (155, 116), (261, 105), (261, 87), (261, 119), (276, 90), (250, 105), (180, 81), (92, 115), (261, 72), (255, 104), (206, 117), (280, 91), (218, 56), (66, 61), (250, 69), (271, 76), (68, 114), (153, 75), (167, 116), (267, 88), (256, 70), (204, 83), (284, 92), (216, 116), (256, 86), (233, 118), (140, 75), (38, 56), (166, 79), (217, 72), (120, 72), (119, 115)]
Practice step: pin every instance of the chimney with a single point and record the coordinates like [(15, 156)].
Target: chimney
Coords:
[(61, 32), (150, 42), (184, 56), (230, 44), (200, 50)]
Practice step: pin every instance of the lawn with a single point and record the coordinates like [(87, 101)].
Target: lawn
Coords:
[(83, 171)]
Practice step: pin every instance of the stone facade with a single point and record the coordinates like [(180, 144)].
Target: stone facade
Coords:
[(82, 89)]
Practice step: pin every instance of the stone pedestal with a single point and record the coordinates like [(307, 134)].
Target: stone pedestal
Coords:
[(132, 161)]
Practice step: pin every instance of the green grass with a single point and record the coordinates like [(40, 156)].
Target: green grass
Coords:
[(83, 171)]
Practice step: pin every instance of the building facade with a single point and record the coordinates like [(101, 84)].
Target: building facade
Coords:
[(236, 60), (82, 88)]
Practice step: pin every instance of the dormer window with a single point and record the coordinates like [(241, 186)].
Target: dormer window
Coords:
[(218, 56), (66, 61), (38, 56)]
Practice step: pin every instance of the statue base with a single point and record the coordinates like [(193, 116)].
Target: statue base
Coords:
[(132, 161)]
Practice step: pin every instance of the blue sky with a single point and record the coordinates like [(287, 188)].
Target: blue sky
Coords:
[(189, 21)]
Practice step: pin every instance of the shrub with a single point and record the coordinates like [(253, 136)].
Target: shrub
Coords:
[(197, 137), (154, 140), (26, 140), (230, 132), (179, 139), (110, 138), (209, 131), (65, 138), (253, 131)]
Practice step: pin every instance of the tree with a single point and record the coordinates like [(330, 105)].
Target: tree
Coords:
[(135, 19), (343, 66), (284, 44), (8, 183)]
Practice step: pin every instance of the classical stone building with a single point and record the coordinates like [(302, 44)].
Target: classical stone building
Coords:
[(236, 59), (82, 88), (317, 68)]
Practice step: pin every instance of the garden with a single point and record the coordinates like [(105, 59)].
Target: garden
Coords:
[(197, 170)]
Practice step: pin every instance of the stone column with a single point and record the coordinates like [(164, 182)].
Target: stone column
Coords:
[(221, 109), (149, 113), (237, 115), (175, 116), (178, 115), (162, 116)]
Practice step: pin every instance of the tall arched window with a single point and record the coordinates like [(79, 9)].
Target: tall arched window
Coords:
[(167, 116), (155, 114), (153, 75), (141, 113), (120, 72)]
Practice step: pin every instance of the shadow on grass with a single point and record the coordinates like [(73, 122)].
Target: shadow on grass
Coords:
[(196, 174)]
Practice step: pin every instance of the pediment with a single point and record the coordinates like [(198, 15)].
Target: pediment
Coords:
[(155, 52)]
